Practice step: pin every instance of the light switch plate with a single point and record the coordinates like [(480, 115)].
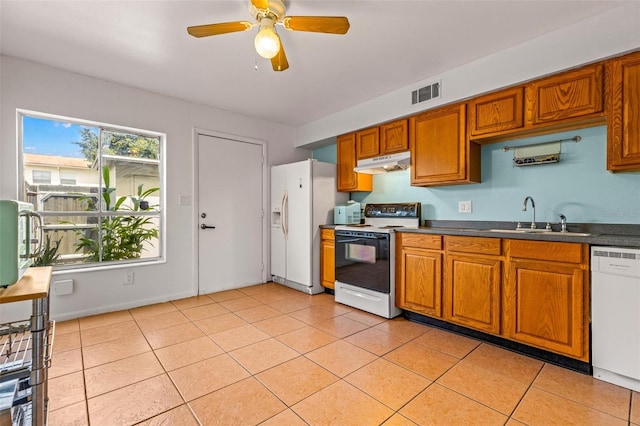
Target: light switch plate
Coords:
[(464, 206)]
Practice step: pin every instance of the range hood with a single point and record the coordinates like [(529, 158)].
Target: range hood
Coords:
[(384, 163)]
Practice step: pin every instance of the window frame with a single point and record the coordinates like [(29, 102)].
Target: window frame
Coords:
[(99, 214)]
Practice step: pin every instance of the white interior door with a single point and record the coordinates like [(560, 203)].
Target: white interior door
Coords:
[(230, 219)]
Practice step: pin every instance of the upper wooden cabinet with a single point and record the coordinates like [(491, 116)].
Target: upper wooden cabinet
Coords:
[(368, 143), (394, 137), (567, 95), (440, 151), (497, 112), (623, 112), (389, 138), (348, 180)]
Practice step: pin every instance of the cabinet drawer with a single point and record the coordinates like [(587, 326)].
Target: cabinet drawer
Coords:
[(327, 234), (433, 242), (552, 251), (478, 245)]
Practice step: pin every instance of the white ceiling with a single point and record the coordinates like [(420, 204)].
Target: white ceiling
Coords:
[(391, 44)]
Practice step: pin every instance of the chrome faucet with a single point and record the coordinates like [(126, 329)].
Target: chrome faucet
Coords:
[(533, 207), (563, 223)]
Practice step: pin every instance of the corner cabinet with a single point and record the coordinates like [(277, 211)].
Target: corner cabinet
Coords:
[(348, 180), (419, 273), (623, 111), (440, 151), (546, 300), (327, 258), (472, 282)]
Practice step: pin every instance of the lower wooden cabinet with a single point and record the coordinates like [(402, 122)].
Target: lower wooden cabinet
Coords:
[(532, 292), (419, 273), (327, 258), (472, 291), (546, 297), (472, 282)]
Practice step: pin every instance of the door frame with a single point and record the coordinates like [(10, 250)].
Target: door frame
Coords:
[(196, 200)]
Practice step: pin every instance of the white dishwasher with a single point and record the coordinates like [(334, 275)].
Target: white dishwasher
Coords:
[(615, 315)]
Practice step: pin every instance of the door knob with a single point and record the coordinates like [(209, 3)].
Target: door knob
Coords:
[(203, 226)]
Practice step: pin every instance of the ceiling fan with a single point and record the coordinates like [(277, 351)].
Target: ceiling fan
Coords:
[(267, 14)]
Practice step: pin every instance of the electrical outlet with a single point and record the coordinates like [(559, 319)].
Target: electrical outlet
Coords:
[(464, 206), (129, 277)]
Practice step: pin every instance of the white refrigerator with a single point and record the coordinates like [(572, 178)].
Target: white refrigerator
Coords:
[(303, 196)]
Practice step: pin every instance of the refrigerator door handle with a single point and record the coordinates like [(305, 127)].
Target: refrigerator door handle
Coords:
[(283, 213)]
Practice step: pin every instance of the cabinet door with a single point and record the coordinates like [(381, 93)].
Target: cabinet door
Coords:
[(623, 113), (348, 180), (394, 137), (546, 306), (327, 263), (418, 281), (497, 112), (570, 94), (368, 143), (472, 292), (438, 144)]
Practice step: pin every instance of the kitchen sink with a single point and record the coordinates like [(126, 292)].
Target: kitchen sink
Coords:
[(540, 232)]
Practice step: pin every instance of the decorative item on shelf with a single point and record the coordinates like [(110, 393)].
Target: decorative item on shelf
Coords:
[(538, 153)]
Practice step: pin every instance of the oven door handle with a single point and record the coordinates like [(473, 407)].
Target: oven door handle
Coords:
[(352, 240)]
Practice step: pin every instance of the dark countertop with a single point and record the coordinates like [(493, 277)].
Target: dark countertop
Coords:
[(620, 235), (600, 234)]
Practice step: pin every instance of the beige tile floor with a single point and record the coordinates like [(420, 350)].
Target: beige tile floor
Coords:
[(273, 356)]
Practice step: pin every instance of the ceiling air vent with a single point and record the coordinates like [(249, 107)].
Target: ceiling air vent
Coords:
[(425, 93)]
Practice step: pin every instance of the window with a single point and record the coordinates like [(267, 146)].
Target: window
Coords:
[(106, 206), (41, 176), (67, 178)]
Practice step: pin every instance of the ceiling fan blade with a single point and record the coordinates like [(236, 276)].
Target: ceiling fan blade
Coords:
[(317, 24), (221, 28), (260, 4), (279, 62)]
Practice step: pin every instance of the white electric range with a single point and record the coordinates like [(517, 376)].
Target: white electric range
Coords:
[(365, 267)]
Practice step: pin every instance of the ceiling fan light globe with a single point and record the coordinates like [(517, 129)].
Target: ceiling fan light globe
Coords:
[(267, 42)]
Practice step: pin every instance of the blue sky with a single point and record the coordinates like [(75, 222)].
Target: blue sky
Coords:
[(50, 137)]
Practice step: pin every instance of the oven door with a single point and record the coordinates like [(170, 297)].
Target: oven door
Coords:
[(362, 260)]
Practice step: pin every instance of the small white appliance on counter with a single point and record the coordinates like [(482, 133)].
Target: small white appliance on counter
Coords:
[(303, 196), (615, 317), (346, 214)]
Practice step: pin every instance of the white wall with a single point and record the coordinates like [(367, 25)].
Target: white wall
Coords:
[(32, 86), (608, 34)]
